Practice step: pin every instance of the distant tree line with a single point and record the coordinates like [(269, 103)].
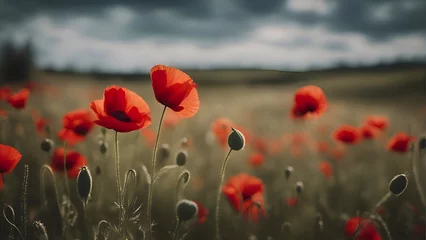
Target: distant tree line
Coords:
[(16, 62)]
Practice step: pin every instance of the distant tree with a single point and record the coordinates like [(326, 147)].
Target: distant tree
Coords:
[(16, 64)]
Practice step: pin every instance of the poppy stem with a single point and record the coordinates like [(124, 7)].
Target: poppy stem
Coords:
[(414, 161), (176, 235), (117, 175), (65, 169), (24, 201), (219, 193), (151, 187)]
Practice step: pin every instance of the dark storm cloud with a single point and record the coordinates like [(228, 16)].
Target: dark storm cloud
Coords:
[(210, 21)]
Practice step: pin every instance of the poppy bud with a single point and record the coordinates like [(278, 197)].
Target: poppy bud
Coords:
[(103, 131), (84, 184), (103, 146), (186, 210), (398, 184), (288, 172), (236, 140), (47, 145), (181, 158), (299, 187), (184, 142), (164, 151), (422, 142), (40, 230)]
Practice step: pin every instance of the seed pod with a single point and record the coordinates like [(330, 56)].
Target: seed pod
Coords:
[(164, 151), (40, 230), (299, 187), (186, 210), (47, 144), (181, 158), (84, 184), (289, 170), (103, 146), (236, 140), (398, 184)]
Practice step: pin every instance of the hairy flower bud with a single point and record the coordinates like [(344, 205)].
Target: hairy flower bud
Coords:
[(84, 184), (181, 158), (289, 170), (236, 140), (299, 187), (47, 144), (186, 210), (398, 184)]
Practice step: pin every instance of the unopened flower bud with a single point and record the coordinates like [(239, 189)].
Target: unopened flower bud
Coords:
[(84, 184), (398, 184), (164, 151), (103, 131), (236, 140), (40, 230), (422, 143), (184, 143), (47, 144), (103, 146), (186, 210), (181, 158), (289, 170), (98, 170), (299, 187)]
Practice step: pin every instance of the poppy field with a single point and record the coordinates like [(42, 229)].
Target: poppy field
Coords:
[(332, 155)]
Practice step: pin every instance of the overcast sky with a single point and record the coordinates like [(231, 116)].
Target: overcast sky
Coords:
[(133, 35)]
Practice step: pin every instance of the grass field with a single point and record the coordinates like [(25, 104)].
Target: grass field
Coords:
[(358, 182)]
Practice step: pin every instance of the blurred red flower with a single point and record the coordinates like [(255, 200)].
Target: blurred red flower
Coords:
[(175, 90), (292, 201), (346, 134), (76, 125), (202, 213), (221, 129), (74, 161), (248, 190), (19, 100), (380, 122), (149, 136), (322, 146), (40, 123), (121, 110), (171, 119), (260, 144), (400, 142), (3, 113), (256, 159), (326, 168), (367, 232), (369, 131), (338, 152), (5, 92), (9, 158), (309, 101)]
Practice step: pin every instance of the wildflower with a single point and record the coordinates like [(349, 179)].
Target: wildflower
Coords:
[(202, 213), (149, 136), (321, 146), (40, 123), (121, 110), (292, 201), (369, 132), (74, 161), (309, 101), (175, 90), (326, 168), (256, 159), (5, 92), (76, 126), (346, 134), (19, 100), (400, 142), (9, 158), (380, 122), (367, 232)]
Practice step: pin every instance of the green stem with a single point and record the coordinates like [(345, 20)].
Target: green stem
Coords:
[(65, 169), (414, 160), (219, 193), (117, 176), (151, 186), (176, 235)]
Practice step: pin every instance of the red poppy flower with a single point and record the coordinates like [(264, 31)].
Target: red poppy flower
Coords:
[(175, 90), (260, 144), (256, 159), (322, 147), (74, 161), (248, 190), (369, 132), (19, 99), (275, 147), (400, 142), (202, 213), (9, 158), (222, 127), (40, 123), (346, 134), (76, 126), (326, 168), (380, 122), (121, 110), (292, 201), (149, 136), (338, 152), (5, 92), (309, 101), (367, 232)]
